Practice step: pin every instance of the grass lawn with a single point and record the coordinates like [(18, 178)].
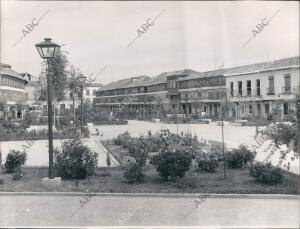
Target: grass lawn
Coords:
[(237, 181)]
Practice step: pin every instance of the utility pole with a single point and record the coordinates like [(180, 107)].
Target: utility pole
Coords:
[(81, 106), (223, 143), (73, 107), (298, 119), (178, 105)]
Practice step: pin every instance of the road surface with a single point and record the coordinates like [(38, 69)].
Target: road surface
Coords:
[(36, 210)]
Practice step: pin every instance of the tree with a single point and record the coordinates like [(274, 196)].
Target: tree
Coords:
[(88, 113), (57, 68)]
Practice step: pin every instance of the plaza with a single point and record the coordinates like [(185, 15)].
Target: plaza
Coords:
[(163, 114), (233, 137)]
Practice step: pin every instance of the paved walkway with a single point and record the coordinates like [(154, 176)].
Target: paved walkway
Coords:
[(20, 210), (38, 152)]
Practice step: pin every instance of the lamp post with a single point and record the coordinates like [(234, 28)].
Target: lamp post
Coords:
[(81, 79), (223, 143), (48, 50)]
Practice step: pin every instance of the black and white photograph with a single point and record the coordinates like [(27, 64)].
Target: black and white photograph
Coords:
[(149, 114)]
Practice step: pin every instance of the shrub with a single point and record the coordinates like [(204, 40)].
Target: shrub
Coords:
[(14, 160), (282, 133), (123, 139), (75, 160), (139, 149), (208, 163), (172, 162), (238, 158), (22, 134), (266, 173), (133, 173)]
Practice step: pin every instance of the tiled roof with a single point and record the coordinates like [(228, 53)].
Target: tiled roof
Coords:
[(161, 78), (265, 66), (192, 74), (5, 69), (126, 83), (257, 67)]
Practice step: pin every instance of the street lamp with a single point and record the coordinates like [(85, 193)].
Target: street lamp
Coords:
[(81, 79), (48, 50)]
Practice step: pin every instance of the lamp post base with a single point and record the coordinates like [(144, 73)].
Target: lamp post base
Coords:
[(51, 183)]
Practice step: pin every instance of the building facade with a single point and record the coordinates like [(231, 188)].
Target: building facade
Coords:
[(12, 93), (181, 92), (66, 106), (252, 91), (265, 90)]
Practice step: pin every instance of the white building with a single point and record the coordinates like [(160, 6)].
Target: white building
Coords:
[(260, 90), (66, 106), (89, 93)]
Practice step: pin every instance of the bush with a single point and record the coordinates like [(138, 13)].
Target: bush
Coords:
[(139, 149), (172, 162), (266, 173), (238, 158), (22, 134), (282, 133), (133, 173), (123, 139), (14, 160), (208, 164), (75, 160)]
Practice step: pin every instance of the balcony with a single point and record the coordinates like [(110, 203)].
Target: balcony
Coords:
[(286, 90), (270, 91)]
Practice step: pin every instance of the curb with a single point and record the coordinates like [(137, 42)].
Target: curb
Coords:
[(164, 195)]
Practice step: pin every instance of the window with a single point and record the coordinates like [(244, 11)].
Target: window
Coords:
[(248, 87), (287, 83), (258, 109), (250, 109), (62, 106), (271, 85), (231, 89), (257, 87), (267, 109), (286, 108), (172, 84), (87, 92), (240, 88)]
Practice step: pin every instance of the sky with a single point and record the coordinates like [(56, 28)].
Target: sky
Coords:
[(194, 35)]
